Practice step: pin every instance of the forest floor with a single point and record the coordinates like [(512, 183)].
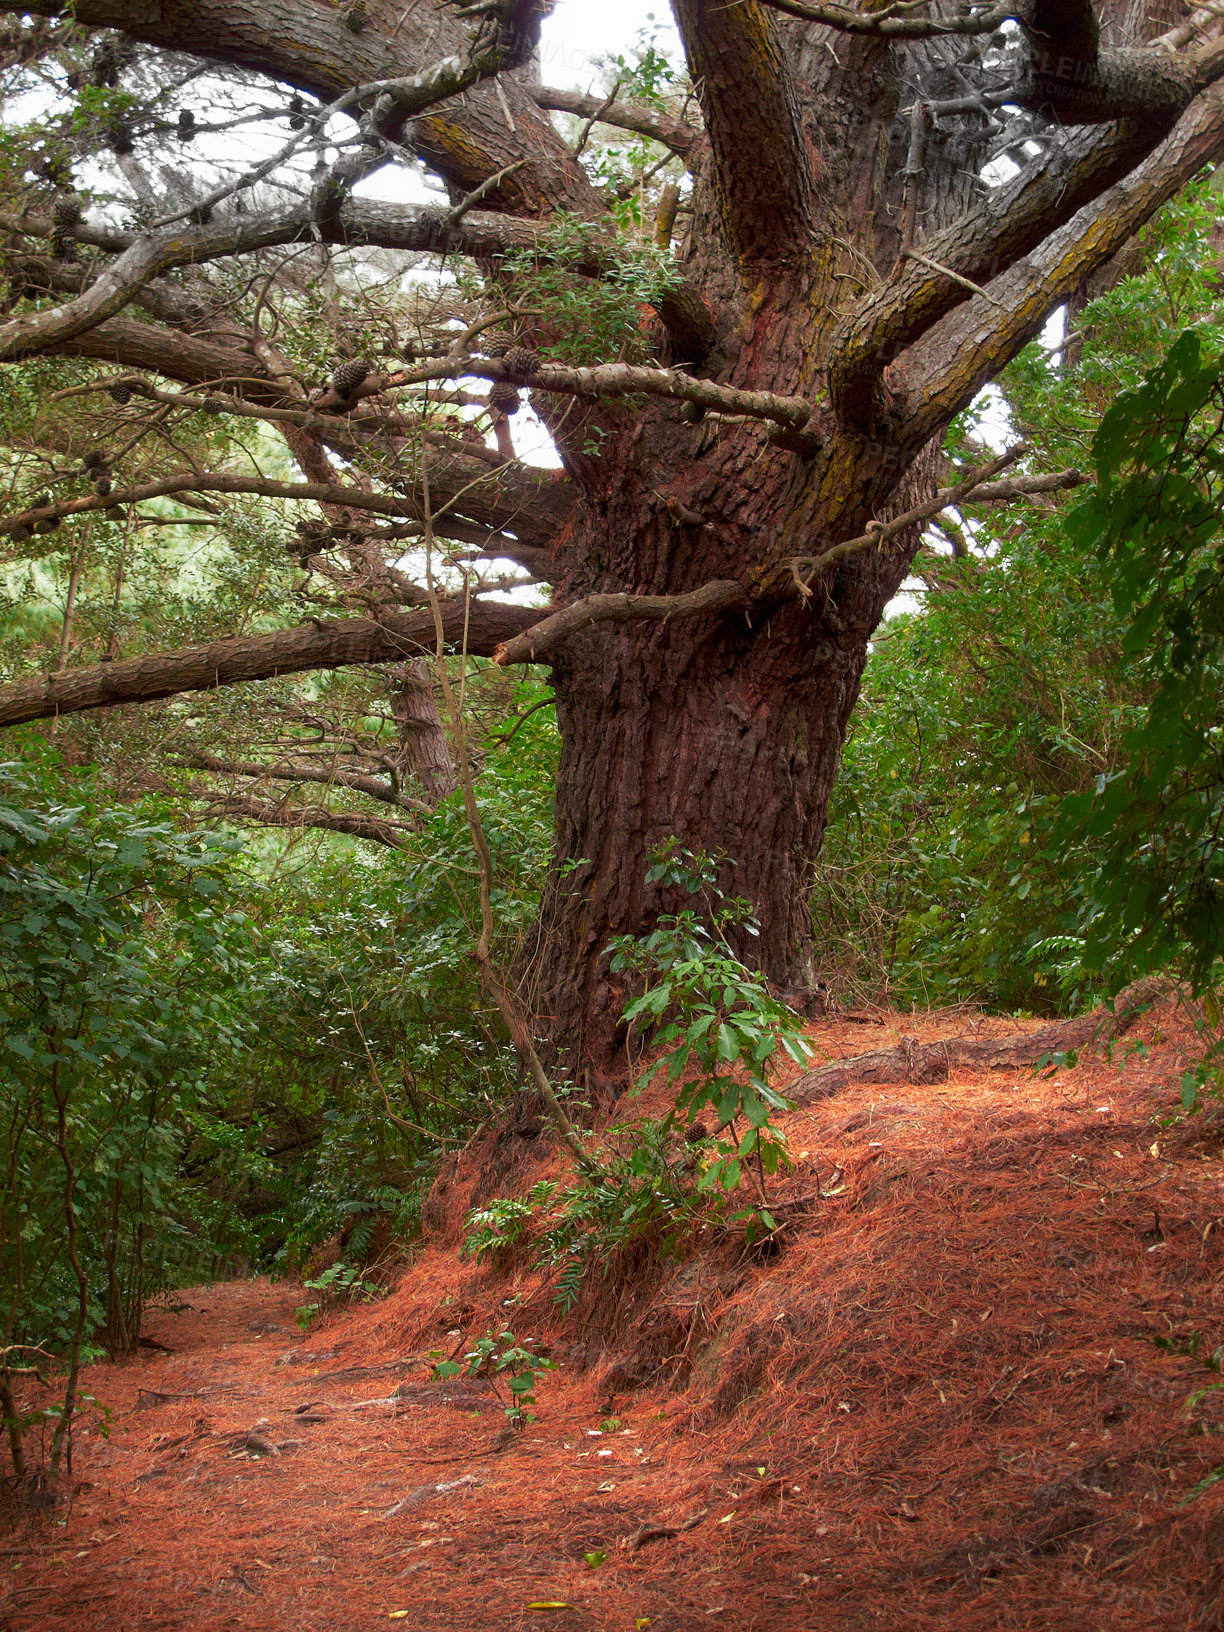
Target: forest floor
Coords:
[(936, 1407)]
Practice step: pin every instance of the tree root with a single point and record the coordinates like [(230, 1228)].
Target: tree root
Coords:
[(912, 1061)]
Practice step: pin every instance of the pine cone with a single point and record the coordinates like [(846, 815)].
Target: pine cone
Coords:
[(119, 139), (104, 70), (67, 210), (213, 405), (432, 218), (348, 376), (95, 459), (63, 245), (523, 360), (21, 532), (355, 17), (102, 486), (121, 394), (51, 525), (496, 343), (297, 113), (504, 396), (186, 125)]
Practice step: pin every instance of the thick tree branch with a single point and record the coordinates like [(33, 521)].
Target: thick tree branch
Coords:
[(898, 21), (114, 287), (629, 380), (480, 628), (292, 771), (394, 835), (530, 492), (480, 235), (749, 101), (673, 133), (530, 646), (944, 373), (1071, 79), (1011, 222), (304, 44)]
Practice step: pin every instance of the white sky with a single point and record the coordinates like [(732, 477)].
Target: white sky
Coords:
[(581, 29)]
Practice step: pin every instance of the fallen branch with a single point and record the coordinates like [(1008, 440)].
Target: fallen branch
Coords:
[(661, 1532), (914, 1062)]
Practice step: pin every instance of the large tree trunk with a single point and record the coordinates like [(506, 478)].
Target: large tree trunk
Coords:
[(836, 257), (723, 734)]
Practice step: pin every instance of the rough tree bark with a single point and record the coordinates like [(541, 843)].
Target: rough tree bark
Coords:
[(840, 251), (424, 751)]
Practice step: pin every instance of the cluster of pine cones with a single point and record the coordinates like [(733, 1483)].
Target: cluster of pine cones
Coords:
[(520, 361), (97, 467)]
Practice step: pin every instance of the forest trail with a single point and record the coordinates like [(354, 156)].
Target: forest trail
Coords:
[(936, 1408)]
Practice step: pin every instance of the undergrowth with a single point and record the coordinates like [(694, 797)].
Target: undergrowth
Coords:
[(713, 1028)]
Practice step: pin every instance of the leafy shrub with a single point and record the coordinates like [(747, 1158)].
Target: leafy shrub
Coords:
[(719, 1028), (491, 1356)]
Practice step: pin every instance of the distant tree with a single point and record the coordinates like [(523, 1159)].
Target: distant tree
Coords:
[(748, 377)]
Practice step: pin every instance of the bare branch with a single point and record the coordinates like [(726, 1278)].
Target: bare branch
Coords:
[(479, 628), (352, 498), (292, 771), (531, 645), (898, 21), (394, 835), (976, 488), (673, 133), (629, 380)]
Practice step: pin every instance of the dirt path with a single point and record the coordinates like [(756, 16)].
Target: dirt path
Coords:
[(938, 1407), (335, 1513)]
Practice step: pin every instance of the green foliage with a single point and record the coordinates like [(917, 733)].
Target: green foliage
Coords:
[(1213, 1362), (642, 1187), (493, 1355), (719, 1029), (341, 1283), (594, 319), (106, 920), (1157, 896), (713, 1018), (1023, 818)]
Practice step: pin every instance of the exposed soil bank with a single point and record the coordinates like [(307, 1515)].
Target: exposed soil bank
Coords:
[(932, 1409)]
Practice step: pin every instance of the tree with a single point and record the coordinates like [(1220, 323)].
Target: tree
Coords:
[(886, 204)]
